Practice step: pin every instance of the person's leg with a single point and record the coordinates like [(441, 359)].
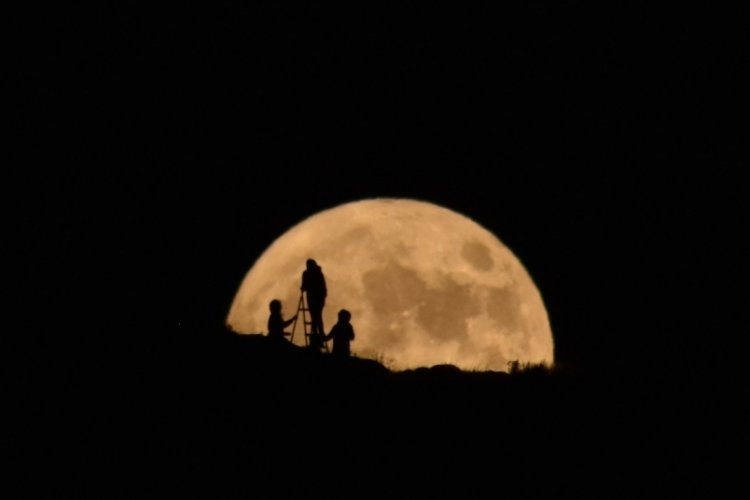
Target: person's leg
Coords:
[(317, 331), (316, 318), (321, 329)]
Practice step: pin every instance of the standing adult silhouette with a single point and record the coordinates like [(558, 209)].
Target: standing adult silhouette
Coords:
[(314, 285), (342, 334)]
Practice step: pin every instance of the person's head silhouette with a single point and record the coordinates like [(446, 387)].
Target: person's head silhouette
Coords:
[(311, 264), (275, 306), (345, 316)]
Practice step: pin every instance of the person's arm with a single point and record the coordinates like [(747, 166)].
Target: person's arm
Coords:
[(290, 321), (331, 333)]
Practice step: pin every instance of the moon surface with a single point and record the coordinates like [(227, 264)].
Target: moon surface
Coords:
[(425, 286)]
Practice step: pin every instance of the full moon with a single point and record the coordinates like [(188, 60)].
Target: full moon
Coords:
[(425, 285)]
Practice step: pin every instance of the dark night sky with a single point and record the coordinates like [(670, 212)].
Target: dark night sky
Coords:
[(165, 149)]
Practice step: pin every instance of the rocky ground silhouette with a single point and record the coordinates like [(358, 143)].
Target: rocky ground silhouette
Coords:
[(240, 414)]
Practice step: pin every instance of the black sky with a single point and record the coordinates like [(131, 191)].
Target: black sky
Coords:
[(165, 148)]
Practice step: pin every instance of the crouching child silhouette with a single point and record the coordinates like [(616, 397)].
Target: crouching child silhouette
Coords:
[(342, 334), (277, 323)]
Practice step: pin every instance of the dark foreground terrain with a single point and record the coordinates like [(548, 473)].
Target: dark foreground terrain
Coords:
[(240, 416)]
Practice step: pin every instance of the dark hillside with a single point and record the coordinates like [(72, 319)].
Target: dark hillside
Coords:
[(240, 413)]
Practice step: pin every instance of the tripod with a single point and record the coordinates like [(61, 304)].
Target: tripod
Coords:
[(314, 341)]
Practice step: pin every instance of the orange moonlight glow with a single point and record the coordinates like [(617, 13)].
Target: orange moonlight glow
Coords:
[(425, 286)]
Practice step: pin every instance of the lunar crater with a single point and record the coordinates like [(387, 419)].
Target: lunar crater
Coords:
[(477, 255)]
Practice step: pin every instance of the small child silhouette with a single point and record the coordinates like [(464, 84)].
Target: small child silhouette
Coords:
[(342, 334), (277, 323)]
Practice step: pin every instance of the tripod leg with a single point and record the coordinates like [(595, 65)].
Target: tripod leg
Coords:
[(300, 307)]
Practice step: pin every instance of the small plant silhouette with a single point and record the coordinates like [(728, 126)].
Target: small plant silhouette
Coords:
[(517, 367)]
